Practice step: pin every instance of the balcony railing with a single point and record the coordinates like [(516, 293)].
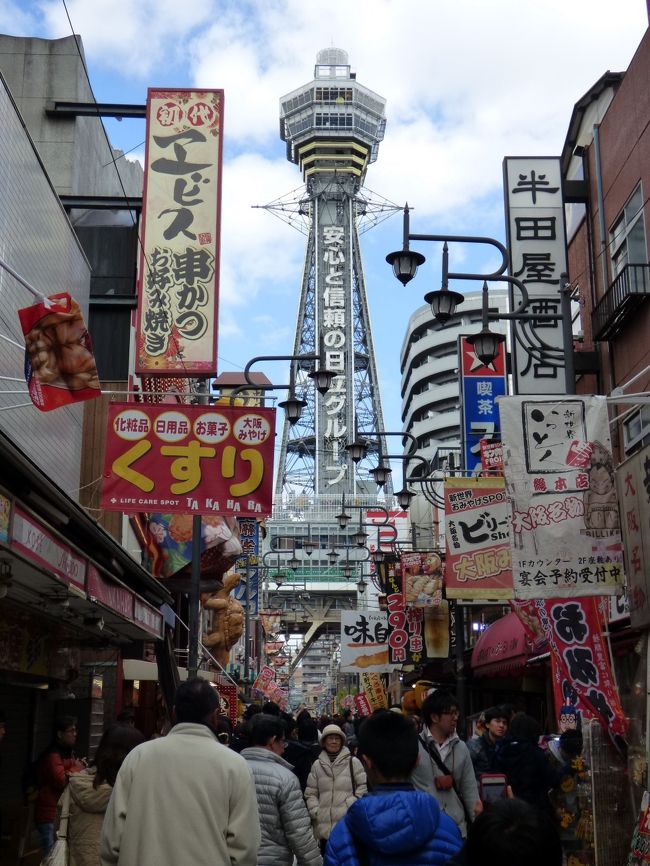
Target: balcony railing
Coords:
[(626, 293)]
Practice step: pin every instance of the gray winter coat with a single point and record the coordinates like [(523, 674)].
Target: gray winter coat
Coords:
[(284, 820), (459, 763)]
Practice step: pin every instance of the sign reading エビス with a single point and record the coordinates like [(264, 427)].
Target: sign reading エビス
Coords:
[(189, 459), (179, 265)]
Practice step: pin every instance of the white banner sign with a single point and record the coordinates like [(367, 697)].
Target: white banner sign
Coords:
[(560, 478), (537, 246), (364, 641)]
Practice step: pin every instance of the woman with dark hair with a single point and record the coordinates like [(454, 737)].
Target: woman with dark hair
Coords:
[(91, 790), (54, 767), (530, 774)]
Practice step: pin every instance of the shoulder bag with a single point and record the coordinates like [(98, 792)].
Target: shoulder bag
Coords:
[(433, 752)]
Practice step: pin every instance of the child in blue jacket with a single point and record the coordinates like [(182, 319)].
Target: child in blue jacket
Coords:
[(394, 824)]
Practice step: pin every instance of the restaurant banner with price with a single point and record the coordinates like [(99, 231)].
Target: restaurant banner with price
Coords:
[(189, 459)]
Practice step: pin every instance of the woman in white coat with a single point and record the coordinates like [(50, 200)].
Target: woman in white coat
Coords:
[(336, 780)]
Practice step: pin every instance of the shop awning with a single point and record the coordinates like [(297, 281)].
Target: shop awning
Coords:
[(503, 649)]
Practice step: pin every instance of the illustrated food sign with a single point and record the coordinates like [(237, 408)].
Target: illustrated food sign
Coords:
[(59, 362), (189, 459), (559, 471), (537, 243), (477, 519), (179, 264), (364, 641)]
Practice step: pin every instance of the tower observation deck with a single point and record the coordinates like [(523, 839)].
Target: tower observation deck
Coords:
[(332, 127)]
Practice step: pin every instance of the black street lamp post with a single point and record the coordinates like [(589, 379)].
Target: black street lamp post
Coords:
[(443, 303)]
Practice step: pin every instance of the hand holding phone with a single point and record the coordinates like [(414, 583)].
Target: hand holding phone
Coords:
[(493, 786)]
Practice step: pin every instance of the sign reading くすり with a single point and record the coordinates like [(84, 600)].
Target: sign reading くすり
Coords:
[(189, 459)]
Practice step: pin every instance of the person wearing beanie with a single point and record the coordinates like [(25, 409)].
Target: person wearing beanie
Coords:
[(335, 782)]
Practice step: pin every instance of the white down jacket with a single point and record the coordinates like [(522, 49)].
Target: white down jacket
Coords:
[(330, 791), (284, 822)]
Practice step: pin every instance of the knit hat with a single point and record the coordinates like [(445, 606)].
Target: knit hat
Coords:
[(334, 730)]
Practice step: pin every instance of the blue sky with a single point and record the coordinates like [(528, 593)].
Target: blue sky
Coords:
[(467, 82)]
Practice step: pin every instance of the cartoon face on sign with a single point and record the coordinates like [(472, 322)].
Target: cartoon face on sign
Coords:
[(550, 430)]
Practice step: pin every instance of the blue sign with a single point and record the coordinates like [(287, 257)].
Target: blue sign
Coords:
[(247, 565), (480, 387)]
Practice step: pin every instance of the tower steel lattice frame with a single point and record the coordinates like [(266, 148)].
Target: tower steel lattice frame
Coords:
[(332, 128)]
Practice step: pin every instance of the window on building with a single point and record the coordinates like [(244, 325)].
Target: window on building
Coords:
[(627, 235), (636, 430)]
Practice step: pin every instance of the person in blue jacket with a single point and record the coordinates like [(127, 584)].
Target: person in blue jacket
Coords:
[(394, 824)]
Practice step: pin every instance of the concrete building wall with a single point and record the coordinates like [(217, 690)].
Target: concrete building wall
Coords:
[(37, 241), (74, 150)]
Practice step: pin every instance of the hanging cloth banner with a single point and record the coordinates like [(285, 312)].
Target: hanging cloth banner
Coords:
[(560, 479), (582, 675), (59, 362)]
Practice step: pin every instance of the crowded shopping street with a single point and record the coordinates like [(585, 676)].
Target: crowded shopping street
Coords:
[(325, 477)]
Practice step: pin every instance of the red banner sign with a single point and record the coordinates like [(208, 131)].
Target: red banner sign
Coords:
[(362, 705), (189, 459), (59, 362), (405, 624), (111, 595), (582, 674)]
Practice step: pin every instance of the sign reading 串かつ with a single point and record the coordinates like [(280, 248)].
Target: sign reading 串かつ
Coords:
[(189, 459), (179, 264)]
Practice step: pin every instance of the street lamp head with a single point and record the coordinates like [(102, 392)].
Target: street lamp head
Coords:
[(359, 537), (293, 563), (293, 407), (380, 474), (279, 579), (322, 379), (343, 519), (361, 585), (486, 345), (357, 450), (443, 303), (332, 555), (404, 497), (309, 546), (378, 556), (405, 264), (347, 569)]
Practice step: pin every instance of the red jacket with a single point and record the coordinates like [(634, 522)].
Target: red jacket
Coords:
[(53, 775)]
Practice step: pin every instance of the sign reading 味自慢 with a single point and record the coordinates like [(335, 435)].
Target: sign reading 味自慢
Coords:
[(189, 459), (179, 265)]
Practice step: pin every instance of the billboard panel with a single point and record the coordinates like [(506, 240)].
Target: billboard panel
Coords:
[(189, 459), (179, 261), (559, 471)]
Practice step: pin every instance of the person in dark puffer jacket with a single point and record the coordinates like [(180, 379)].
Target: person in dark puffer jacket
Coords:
[(394, 824), (284, 820), (530, 774)]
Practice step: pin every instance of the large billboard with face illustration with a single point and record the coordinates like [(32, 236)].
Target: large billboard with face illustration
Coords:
[(560, 480)]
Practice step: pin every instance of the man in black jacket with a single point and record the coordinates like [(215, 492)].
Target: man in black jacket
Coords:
[(483, 748)]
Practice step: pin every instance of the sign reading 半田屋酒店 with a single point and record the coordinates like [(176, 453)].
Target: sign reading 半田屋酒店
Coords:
[(179, 263), (189, 459)]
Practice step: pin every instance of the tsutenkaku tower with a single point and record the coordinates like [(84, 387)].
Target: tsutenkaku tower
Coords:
[(332, 127)]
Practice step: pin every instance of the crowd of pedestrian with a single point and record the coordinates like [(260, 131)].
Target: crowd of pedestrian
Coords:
[(277, 790)]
